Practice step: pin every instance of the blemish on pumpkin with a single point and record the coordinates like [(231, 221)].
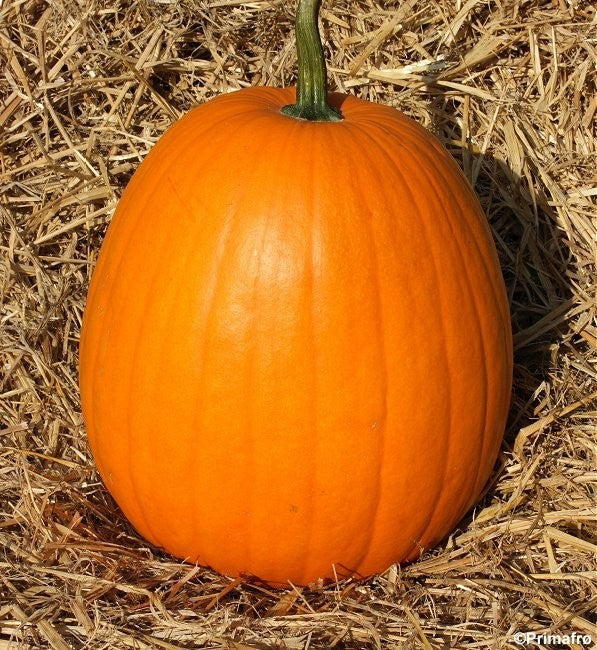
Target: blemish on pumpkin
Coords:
[(293, 508)]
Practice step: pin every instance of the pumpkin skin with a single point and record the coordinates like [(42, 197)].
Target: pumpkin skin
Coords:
[(296, 354)]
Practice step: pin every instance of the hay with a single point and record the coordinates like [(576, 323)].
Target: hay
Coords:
[(88, 88)]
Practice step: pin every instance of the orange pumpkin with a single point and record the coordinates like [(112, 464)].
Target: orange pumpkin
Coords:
[(296, 353)]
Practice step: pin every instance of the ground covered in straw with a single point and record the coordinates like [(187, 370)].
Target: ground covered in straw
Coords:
[(87, 89)]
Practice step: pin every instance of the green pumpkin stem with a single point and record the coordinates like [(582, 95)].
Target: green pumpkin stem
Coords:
[(311, 93)]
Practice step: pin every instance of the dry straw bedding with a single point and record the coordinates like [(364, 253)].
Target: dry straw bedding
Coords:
[(87, 89)]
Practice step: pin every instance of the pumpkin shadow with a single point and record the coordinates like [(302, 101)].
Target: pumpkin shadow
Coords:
[(534, 257), (535, 260)]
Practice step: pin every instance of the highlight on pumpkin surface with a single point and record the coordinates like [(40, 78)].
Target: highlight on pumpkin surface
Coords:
[(88, 90)]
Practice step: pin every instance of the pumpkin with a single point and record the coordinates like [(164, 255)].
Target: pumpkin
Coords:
[(296, 353)]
